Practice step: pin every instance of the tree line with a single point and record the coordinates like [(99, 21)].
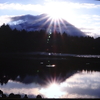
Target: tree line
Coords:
[(36, 41), (13, 96)]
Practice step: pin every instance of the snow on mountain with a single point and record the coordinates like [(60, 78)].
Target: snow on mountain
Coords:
[(44, 22)]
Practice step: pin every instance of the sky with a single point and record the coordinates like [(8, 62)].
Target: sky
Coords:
[(84, 14)]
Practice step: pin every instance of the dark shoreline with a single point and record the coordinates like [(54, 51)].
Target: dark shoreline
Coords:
[(12, 66)]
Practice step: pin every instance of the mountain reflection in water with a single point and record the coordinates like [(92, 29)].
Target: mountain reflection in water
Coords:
[(50, 74), (81, 84)]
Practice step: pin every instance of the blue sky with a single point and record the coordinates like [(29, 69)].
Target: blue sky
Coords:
[(84, 14)]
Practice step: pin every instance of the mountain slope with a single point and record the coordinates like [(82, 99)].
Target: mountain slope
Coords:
[(44, 22)]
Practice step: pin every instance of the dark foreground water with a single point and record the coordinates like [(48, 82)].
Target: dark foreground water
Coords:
[(57, 76)]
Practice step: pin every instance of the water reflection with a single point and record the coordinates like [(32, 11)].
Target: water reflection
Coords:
[(32, 54), (50, 65), (40, 74), (82, 84), (52, 90)]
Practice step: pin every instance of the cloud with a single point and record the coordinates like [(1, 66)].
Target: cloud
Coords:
[(17, 6), (96, 17), (4, 19), (78, 96), (82, 85), (75, 5), (86, 5), (72, 4), (90, 24), (20, 88), (93, 31), (39, 7)]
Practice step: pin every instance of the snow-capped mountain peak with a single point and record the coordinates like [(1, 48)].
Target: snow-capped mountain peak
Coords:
[(44, 22)]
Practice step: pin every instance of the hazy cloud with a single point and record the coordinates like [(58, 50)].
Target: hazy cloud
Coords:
[(4, 19), (17, 6), (90, 24), (39, 7)]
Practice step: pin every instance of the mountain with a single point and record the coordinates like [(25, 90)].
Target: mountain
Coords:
[(44, 22)]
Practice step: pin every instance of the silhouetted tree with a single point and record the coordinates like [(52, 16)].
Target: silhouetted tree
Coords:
[(1, 93), (17, 96), (39, 97), (4, 96), (25, 96), (11, 95)]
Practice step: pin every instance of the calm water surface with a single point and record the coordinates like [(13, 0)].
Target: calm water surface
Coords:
[(81, 84), (73, 84)]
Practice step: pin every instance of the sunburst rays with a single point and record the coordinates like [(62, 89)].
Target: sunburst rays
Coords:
[(53, 88), (50, 24)]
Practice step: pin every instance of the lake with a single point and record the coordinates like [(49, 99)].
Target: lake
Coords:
[(52, 75)]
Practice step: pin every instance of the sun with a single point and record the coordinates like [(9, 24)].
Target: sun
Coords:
[(55, 15), (58, 10), (55, 10)]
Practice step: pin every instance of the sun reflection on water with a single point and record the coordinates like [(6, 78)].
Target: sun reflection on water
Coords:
[(52, 90)]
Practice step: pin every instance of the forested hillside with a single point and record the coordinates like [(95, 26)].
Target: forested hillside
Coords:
[(23, 41)]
